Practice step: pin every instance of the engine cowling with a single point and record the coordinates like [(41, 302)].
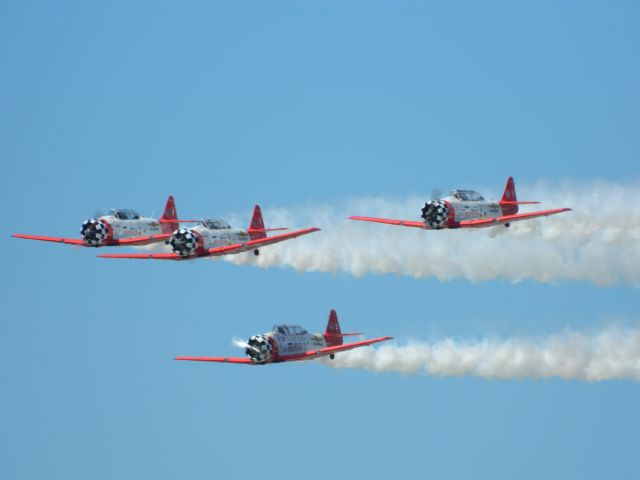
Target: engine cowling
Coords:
[(259, 349), (96, 232), (435, 213), (184, 242)]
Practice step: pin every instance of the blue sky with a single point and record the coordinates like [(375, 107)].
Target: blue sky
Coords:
[(225, 105)]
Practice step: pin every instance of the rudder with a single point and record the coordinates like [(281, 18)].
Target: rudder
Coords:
[(256, 228), (333, 334), (169, 214), (509, 199)]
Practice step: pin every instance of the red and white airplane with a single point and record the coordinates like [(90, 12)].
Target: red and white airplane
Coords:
[(212, 238), (291, 343), (120, 227), (469, 209)]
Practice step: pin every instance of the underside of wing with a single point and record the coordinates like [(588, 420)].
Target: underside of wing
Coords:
[(322, 352), (68, 241), (487, 222), (390, 221), (146, 240), (244, 361), (142, 256)]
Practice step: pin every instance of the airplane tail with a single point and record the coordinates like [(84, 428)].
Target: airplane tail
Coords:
[(169, 214), (509, 201), (256, 228), (333, 335)]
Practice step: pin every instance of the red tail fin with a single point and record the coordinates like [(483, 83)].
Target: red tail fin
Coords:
[(256, 227), (333, 334), (509, 200), (169, 214)]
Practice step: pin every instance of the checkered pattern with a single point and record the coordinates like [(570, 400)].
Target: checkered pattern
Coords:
[(259, 349), (435, 213), (184, 242), (94, 232)]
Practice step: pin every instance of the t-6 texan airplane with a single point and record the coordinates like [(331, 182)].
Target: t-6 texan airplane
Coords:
[(291, 343), (212, 238), (120, 227), (469, 209)]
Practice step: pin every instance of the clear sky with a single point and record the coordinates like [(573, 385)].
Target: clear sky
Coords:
[(224, 105)]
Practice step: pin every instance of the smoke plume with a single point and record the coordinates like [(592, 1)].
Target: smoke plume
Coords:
[(599, 241), (613, 353)]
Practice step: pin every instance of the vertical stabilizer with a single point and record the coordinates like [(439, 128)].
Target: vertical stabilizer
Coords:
[(333, 334), (256, 228), (169, 214), (509, 199)]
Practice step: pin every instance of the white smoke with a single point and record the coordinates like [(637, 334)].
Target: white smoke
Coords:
[(599, 241), (613, 353)]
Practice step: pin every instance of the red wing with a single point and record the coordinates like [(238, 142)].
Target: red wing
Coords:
[(390, 221), (146, 240), (260, 242), (486, 222), (68, 241), (244, 360), (322, 352), (78, 241)]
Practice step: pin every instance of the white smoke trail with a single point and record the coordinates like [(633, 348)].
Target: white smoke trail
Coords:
[(599, 241), (613, 353)]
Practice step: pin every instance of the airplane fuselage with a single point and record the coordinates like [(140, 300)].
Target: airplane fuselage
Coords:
[(282, 342), (206, 235), (474, 210), (119, 225), (133, 228), (460, 206)]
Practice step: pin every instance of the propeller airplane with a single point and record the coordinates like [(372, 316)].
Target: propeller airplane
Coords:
[(292, 343), (469, 209), (119, 228)]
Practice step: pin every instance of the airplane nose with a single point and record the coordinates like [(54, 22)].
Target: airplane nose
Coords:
[(94, 232), (183, 242)]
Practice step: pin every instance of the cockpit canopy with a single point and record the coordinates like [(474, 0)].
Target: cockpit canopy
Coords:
[(214, 224), (124, 214), (289, 330), (467, 195)]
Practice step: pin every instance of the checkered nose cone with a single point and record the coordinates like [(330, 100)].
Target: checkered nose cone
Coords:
[(94, 232), (435, 213), (184, 242), (258, 349)]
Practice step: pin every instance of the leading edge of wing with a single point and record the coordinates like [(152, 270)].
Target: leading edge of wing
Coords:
[(68, 241), (485, 222), (240, 247), (244, 361), (390, 221)]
